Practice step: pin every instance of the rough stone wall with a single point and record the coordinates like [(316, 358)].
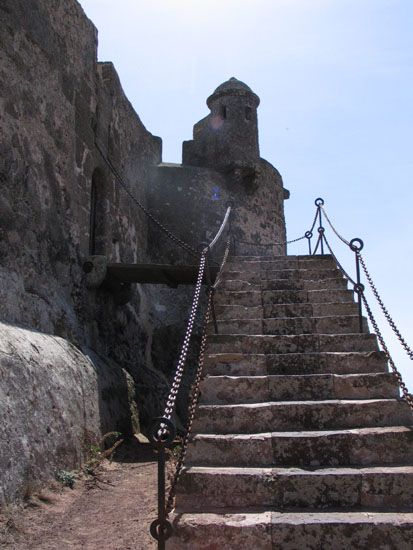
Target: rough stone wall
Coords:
[(56, 104), (68, 134), (192, 201), (54, 402)]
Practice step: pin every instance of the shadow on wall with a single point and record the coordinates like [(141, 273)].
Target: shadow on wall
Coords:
[(99, 211), (54, 403)]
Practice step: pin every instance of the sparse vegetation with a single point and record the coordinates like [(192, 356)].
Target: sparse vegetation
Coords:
[(98, 453), (67, 479)]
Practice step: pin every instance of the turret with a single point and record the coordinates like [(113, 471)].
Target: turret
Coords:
[(228, 136)]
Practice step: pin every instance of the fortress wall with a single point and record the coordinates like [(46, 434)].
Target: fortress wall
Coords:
[(56, 102)]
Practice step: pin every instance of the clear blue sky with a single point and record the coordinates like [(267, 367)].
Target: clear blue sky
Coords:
[(335, 78)]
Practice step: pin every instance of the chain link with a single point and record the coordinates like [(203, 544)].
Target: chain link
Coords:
[(341, 268), (342, 239), (195, 392), (167, 232), (406, 395), (314, 221), (170, 402), (270, 244), (384, 309)]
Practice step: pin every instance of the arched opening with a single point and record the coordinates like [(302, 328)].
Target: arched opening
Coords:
[(223, 111), (98, 218), (248, 112)]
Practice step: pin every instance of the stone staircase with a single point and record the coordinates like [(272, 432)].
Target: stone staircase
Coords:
[(300, 439)]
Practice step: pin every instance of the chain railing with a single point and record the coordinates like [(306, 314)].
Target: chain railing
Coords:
[(163, 431), (307, 235), (118, 178), (356, 245)]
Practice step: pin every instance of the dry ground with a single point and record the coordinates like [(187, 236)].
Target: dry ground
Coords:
[(111, 511)]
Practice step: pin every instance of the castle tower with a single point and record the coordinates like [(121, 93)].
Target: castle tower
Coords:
[(229, 134), (222, 165)]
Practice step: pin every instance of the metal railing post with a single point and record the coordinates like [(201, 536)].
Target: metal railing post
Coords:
[(319, 203), (161, 436), (308, 235), (356, 245)]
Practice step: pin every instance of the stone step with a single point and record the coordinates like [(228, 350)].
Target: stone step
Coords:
[(389, 487), (307, 310), (335, 283), (238, 312), (239, 364), (332, 324), (281, 274), (238, 285), (285, 310), (302, 343), (239, 298), (301, 415), (300, 274), (299, 296), (269, 297), (229, 529), (313, 449), (281, 262), (221, 390), (235, 285)]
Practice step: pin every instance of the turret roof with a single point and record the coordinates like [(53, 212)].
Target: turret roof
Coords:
[(233, 86)]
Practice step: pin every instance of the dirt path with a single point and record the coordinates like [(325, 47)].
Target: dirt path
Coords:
[(111, 513)]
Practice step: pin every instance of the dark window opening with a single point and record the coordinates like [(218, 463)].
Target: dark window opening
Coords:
[(248, 113), (223, 111), (97, 229)]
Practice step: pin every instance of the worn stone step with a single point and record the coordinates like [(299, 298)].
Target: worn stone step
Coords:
[(239, 364), (334, 283), (300, 274), (224, 312), (281, 262), (301, 415), (389, 487), (329, 324), (280, 274), (332, 324), (306, 310), (229, 529), (312, 449), (238, 298), (302, 343), (220, 390), (296, 296), (285, 310), (238, 285), (269, 297)]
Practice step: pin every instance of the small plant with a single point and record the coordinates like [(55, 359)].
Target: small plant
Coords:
[(97, 452), (176, 451), (67, 479)]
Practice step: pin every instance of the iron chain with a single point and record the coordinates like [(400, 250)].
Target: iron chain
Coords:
[(195, 392), (384, 309), (397, 374), (342, 239), (170, 402), (167, 232)]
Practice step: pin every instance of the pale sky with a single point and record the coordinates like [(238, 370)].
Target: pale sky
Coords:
[(335, 78)]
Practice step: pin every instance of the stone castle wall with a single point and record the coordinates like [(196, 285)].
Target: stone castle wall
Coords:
[(57, 102), (75, 362)]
